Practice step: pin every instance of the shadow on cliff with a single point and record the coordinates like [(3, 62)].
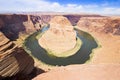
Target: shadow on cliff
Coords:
[(12, 31), (33, 74), (23, 69), (12, 25)]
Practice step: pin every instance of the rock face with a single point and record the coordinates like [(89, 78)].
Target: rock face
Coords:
[(11, 25), (83, 72), (13, 59), (56, 38)]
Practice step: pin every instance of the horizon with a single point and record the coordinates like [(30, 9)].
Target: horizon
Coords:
[(102, 7)]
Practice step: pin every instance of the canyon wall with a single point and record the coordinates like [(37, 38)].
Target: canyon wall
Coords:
[(107, 25), (14, 24)]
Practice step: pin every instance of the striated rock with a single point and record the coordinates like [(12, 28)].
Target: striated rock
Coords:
[(56, 38), (83, 72), (13, 59)]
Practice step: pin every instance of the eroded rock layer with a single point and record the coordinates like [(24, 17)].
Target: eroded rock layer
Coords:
[(13, 59)]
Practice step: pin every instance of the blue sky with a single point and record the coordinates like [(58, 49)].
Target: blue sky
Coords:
[(87, 1), (72, 6)]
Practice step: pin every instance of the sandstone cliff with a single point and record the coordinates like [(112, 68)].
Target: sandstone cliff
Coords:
[(13, 59)]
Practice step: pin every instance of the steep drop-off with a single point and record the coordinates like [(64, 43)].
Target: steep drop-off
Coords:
[(13, 59)]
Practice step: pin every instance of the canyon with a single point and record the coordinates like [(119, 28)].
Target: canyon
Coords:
[(15, 28)]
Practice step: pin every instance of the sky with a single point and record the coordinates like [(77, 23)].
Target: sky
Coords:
[(67, 6)]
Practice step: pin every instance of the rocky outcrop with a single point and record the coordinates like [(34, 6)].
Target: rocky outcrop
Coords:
[(13, 59), (83, 72), (56, 38)]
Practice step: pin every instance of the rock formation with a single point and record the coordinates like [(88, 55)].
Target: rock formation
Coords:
[(11, 25), (113, 26), (83, 72), (93, 23), (13, 59), (60, 37), (101, 24)]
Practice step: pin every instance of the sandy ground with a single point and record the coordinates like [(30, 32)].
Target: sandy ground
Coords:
[(109, 52)]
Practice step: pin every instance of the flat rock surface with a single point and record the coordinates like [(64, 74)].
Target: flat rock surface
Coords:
[(83, 72)]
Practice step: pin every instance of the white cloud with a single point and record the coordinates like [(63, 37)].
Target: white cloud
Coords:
[(44, 5), (111, 10), (91, 6), (72, 5)]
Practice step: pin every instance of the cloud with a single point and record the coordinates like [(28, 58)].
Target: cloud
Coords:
[(47, 6), (111, 10)]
